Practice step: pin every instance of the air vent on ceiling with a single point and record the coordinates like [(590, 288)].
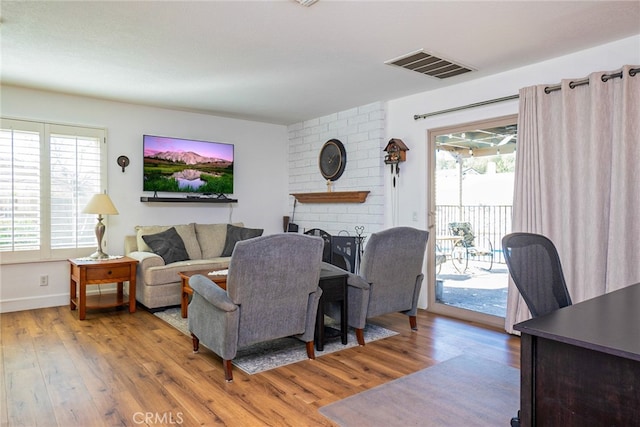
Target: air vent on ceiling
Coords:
[(425, 63)]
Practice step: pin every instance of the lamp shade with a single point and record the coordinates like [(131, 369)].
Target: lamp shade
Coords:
[(100, 204)]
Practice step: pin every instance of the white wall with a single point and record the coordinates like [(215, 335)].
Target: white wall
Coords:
[(264, 176), (401, 124), (260, 178), (362, 131)]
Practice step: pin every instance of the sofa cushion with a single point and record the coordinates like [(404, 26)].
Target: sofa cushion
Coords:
[(236, 234), (212, 237), (168, 244), (186, 231)]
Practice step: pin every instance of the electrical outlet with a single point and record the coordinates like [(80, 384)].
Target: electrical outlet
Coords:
[(44, 280)]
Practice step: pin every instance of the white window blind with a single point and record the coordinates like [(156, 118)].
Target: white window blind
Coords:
[(75, 178), (20, 220), (48, 173)]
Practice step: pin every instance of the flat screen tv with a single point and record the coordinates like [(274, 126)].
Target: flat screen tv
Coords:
[(177, 165)]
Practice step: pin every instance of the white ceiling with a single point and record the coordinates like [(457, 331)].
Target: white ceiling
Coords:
[(278, 61)]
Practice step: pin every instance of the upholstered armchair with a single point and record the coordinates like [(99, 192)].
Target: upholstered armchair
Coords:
[(272, 292), (390, 277)]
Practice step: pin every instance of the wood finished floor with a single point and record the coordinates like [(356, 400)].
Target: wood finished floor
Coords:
[(116, 368)]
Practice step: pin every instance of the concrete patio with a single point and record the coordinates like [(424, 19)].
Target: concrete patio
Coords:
[(477, 289)]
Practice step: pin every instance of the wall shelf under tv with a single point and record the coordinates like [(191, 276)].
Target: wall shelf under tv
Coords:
[(332, 197), (186, 200)]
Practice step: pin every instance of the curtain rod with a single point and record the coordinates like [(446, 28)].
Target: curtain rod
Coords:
[(464, 107), (605, 78), (548, 89)]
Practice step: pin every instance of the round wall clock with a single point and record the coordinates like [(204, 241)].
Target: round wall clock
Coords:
[(332, 159)]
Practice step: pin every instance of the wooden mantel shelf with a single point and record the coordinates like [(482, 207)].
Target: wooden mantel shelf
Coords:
[(332, 197)]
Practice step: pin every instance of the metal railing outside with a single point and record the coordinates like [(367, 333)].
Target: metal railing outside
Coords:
[(487, 223)]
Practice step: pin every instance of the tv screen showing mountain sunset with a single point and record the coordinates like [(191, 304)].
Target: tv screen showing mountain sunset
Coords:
[(179, 165)]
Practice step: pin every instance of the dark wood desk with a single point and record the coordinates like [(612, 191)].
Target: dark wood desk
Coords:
[(580, 365), (334, 289)]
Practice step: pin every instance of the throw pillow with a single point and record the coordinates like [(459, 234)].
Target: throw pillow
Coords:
[(186, 231), (168, 244), (236, 234)]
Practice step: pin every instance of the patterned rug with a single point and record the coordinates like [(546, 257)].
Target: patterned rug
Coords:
[(284, 351)]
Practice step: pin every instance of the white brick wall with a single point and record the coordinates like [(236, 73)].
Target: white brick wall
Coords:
[(362, 131)]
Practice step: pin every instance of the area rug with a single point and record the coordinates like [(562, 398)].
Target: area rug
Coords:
[(273, 354), (461, 391)]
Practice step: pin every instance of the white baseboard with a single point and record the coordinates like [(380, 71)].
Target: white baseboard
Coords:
[(43, 301), (32, 303)]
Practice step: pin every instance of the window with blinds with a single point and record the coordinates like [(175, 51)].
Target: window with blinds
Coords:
[(20, 220), (48, 173)]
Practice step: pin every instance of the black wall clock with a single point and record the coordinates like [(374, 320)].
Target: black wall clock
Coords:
[(332, 159)]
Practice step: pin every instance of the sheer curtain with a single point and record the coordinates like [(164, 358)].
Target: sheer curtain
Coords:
[(578, 182)]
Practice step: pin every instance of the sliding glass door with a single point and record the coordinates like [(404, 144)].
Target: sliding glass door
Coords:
[(470, 198)]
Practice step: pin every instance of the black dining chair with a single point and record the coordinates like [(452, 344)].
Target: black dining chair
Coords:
[(534, 265)]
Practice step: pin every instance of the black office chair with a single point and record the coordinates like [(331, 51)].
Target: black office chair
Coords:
[(534, 265)]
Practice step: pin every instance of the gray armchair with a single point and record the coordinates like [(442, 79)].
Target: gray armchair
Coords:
[(272, 292), (390, 277)]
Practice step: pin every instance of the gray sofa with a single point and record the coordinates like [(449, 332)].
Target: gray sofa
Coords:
[(157, 283)]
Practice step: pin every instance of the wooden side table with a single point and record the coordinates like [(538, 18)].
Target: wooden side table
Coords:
[(97, 272)]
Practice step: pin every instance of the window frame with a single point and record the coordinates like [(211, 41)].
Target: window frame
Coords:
[(46, 129), (433, 305)]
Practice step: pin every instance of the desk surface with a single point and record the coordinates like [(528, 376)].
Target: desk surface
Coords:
[(609, 323)]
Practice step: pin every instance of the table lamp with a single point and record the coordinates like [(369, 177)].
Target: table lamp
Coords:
[(100, 204)]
